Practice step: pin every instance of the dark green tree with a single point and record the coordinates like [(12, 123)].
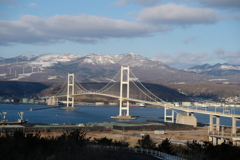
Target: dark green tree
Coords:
[(146, 142), (102, 141), (79, 136), (109, 142), (120, 143), (166, 147), (196, 150)]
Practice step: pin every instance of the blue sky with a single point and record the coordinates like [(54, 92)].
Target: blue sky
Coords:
[(180, 33)]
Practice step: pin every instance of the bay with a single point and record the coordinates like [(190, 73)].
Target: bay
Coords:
[(86, 114)]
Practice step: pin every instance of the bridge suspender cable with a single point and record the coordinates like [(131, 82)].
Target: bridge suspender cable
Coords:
[(63, 88), (103, 89), (145, 88)]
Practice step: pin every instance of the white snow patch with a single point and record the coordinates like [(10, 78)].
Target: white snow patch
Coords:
[(88, 61), (224, 67), (217, 79), (111, 61), (22, 76)]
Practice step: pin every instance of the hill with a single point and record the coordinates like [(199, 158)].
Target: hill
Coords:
[(167, 92), (222, 70), (26, 89), (21, 89), (210, 91), (98, 67)]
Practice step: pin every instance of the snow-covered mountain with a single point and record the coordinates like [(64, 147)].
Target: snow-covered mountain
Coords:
[(198, 68), (44, 60), (128, 59), (98, 67), (48, 60), (216, 70)]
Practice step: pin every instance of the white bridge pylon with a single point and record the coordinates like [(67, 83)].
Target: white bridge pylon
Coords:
[(70, 90), (118, 87), (124, 81)]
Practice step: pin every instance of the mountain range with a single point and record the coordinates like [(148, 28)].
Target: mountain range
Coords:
[(218, 69), (97, 67)]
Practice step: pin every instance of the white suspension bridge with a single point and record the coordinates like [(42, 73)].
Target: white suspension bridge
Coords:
[(119, 88)]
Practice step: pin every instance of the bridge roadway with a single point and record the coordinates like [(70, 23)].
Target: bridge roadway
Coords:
[(167, 105), (187, 109)]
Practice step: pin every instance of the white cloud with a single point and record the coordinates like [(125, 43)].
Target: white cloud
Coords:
[(190, 39), (81, 28), (183, 60), (178, 14), (121, 3), (148, 2), (228, 56), (137, 2)]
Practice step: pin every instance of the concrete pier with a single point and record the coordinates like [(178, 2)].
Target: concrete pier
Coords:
[(123, 117), (52, 101), (186, 118), (212, 125), (218, 140), (69, 107)]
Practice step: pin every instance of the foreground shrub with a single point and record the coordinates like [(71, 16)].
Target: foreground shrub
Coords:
[(209, 151), (166, 147), (73, 145), (194, 150), (109, 142), (146, 142)]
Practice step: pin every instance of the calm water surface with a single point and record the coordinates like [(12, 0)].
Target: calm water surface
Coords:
[(87, 114)]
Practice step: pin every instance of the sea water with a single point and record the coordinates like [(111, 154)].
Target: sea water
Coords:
[(86, 114)]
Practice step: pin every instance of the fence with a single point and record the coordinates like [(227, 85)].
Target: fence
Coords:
[(48, 129), (165, 156)]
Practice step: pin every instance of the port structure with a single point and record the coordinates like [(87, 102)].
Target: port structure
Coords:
[(21, 120), (4, 119)]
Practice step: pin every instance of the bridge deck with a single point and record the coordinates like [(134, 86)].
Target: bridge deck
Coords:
[(168, 105)]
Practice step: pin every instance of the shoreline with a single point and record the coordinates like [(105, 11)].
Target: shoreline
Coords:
[(114, 105)]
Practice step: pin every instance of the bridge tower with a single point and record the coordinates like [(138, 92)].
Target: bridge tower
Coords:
[(171, 116), (124, 81), (70, 90)]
